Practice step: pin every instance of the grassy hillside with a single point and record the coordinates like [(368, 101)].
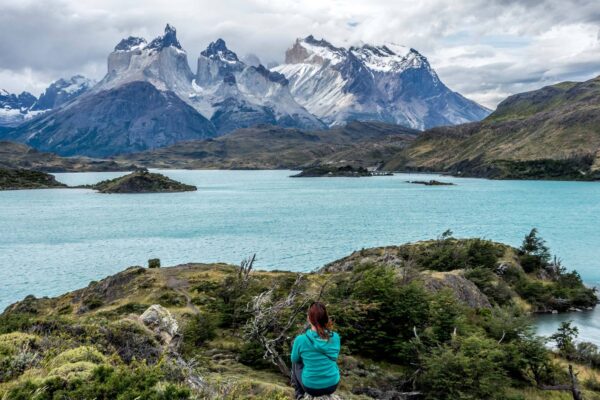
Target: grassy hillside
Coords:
[(551, 133), (444, 318), (271, 147)]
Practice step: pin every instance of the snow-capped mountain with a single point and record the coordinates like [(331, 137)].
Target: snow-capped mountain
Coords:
[(389, 83), (162, 63), (150, 98), (137, 106), (61, 92), (15, 109), (236, 95)]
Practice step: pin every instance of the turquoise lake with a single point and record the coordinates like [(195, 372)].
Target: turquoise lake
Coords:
[(53, 241)]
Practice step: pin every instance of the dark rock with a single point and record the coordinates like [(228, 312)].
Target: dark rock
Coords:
[(218, 50), (166, 40), (128, 43), (332, 171), (432, 183)]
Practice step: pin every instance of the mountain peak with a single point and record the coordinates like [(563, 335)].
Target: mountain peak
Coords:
[(131, 43), (218, 50), (168, 39), (313, 51)]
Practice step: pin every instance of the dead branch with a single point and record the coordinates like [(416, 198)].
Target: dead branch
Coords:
[(272, 320)]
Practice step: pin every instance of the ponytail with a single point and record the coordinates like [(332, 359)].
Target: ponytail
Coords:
[(318, 317)]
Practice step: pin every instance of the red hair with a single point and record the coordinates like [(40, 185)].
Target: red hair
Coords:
[(318, 317)]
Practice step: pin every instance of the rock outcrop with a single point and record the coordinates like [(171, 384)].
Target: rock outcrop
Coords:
[(163, 324)]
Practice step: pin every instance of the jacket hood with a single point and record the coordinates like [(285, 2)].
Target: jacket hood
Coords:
[(320, 343)]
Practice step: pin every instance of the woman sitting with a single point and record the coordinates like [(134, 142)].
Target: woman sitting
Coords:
[(314, 355)]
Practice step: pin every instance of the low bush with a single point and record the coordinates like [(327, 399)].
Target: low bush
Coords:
[(199, 329), (102, 383)]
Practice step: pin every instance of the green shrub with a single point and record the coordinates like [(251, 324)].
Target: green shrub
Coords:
[(132, 342), (154, 263), (93, 302), (171, 298), (198, 330), (468, 369), (496, 290), (11, 322), (102, 383), (531, 263), (83, 353), (252, 354), (379, 314)]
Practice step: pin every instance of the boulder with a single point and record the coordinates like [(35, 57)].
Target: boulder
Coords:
[(162, 323)]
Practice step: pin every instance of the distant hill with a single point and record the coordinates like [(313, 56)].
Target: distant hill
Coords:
[(550, 133), (20, 156), (273, 147)]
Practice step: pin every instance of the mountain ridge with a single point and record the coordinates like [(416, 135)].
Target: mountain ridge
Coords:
[(549, 133)]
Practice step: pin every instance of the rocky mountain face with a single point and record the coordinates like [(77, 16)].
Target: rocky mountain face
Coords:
[(237, 95), (15, 109), (550, 133), (131, 117), (61, 92), (388, 83)]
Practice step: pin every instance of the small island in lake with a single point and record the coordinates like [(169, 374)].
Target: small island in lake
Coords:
[(432, 182), (142, 181), (332, 171), (15, 179)]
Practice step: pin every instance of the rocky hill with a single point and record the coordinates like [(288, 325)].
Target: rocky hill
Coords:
[(436, 320), (388, 83), (550, 133), (271, 147), (15, 179)]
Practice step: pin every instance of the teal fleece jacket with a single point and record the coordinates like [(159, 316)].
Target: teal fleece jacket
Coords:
[(319, 358)]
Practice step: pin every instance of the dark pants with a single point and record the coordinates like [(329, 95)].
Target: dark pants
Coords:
[(301, 389)]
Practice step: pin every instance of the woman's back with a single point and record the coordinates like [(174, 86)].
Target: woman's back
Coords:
[(319, 357)]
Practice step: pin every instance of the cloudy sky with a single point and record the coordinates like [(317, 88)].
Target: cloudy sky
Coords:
[(484, 49)]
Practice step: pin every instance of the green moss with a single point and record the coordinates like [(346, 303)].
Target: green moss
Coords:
[(11, 343), (75, 370), (84, 353)]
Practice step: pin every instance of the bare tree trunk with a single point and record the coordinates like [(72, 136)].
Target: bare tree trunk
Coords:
[(573, 387)]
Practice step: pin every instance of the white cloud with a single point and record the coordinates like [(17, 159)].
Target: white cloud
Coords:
[(482, 49)]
